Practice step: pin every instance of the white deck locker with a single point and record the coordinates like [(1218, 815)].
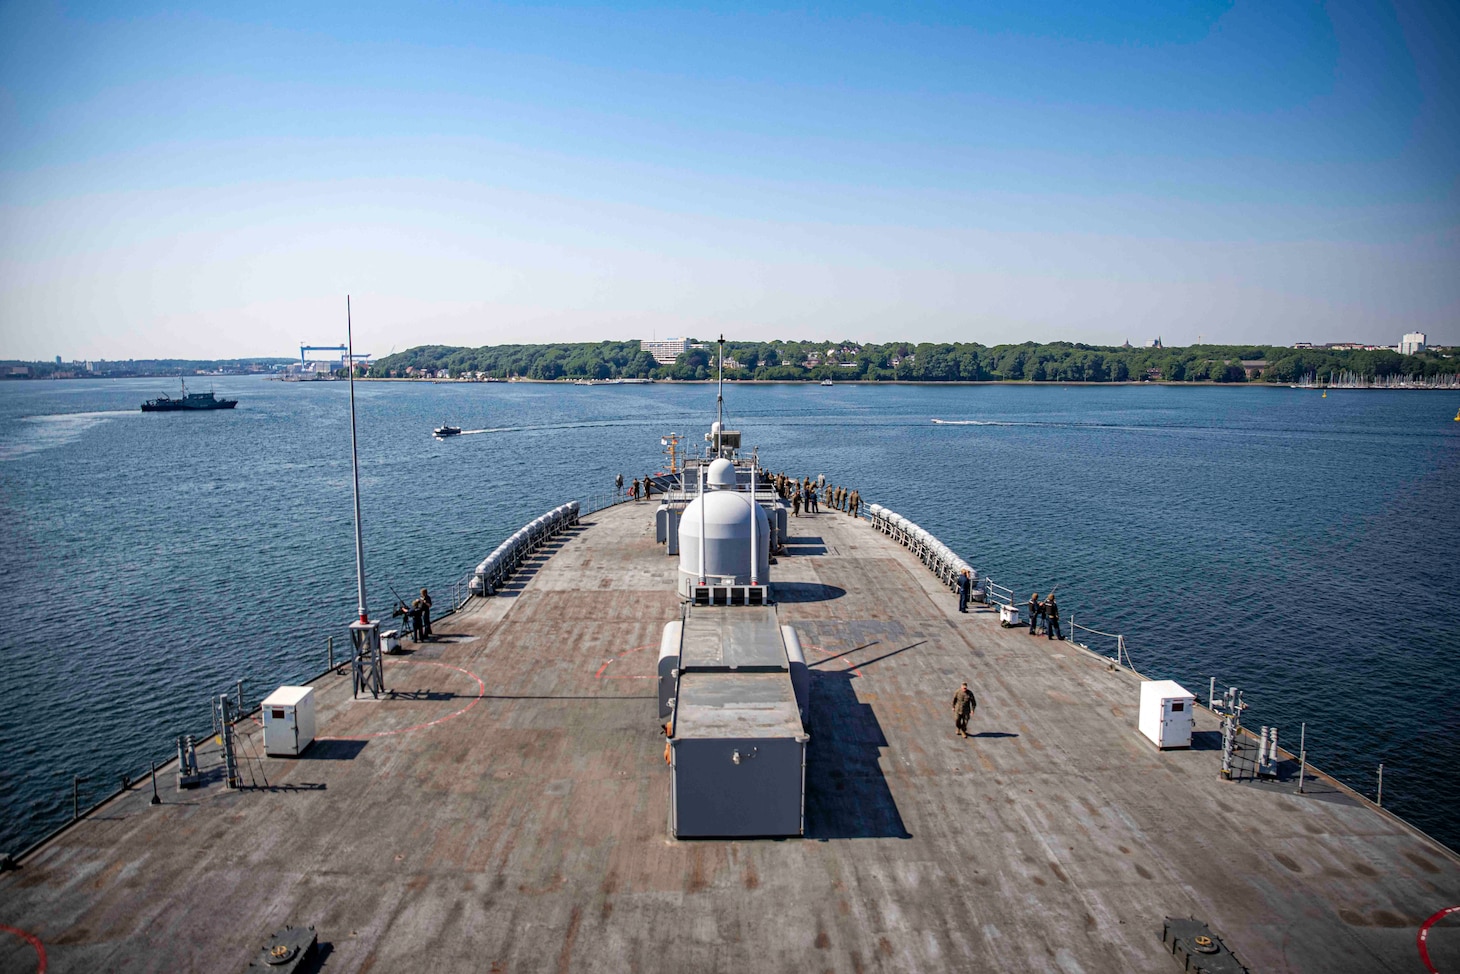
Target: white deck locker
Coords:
[(288, 715), (1166, 713)]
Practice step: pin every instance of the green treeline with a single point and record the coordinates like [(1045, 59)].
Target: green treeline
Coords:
[(925, 362)]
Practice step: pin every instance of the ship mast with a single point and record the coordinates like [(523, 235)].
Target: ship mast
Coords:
[(355, 468), (720, 404)]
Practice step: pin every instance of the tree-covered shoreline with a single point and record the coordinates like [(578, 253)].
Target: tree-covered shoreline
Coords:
[(921, 362)]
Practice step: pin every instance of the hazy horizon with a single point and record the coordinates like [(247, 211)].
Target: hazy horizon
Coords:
[(191, 182)]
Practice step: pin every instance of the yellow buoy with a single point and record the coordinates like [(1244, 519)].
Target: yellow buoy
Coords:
[(1457, 415), (1325, 394)]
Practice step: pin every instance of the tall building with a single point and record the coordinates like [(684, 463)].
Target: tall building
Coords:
[(667, 351), (1412, 343)]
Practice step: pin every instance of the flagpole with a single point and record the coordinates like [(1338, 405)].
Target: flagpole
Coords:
[(355, 467)]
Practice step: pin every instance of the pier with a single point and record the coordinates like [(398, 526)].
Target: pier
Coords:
[(504, 807)]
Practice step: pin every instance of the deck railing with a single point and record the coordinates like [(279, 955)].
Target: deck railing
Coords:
[(465, 586), (998, 594), (1122, 654), (508, 556)]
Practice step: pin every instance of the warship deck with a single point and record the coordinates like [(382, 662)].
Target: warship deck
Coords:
[(505, 809)]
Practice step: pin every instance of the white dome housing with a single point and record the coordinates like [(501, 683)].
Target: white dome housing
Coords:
[(721, 473), (727, 535)]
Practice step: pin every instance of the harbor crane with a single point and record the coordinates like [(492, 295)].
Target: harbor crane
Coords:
[(344, 350)]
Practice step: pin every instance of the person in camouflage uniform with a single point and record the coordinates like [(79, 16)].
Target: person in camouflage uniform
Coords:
[(964, 704)]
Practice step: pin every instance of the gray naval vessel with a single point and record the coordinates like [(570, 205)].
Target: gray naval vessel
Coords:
[(698, 734)]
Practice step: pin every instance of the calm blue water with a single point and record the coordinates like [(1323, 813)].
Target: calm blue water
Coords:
[(1305, 549)]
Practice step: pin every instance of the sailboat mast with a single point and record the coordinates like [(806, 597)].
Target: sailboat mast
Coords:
[(355, 467)]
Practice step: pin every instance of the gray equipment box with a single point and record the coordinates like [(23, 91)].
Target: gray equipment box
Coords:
[(738, 747), (738, 787)]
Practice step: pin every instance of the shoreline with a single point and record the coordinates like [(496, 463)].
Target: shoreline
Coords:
[(784, 382), (923, 382)]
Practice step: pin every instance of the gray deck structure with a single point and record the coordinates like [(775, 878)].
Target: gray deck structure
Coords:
[(738, 747), (506, 810)]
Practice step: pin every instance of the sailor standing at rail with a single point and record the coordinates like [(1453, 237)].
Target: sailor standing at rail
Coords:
[(426, 613), (1034, 610), (1052, 615), (965, 584)]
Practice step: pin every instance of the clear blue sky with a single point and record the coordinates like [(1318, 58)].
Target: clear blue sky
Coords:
[(211, 180)]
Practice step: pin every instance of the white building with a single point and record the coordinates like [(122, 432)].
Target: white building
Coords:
[(665, 352), (1412, 344)]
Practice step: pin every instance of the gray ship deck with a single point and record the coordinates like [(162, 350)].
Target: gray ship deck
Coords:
[(519, 823)]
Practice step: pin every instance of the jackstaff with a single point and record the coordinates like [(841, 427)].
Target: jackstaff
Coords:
[(355, 467)]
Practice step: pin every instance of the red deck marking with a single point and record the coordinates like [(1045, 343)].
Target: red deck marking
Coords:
[(481, 692), (637, 649), (35, 943), (1424, 935), (818, 649)]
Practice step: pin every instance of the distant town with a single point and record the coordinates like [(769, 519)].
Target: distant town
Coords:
[(1410, 363), (135, 368)]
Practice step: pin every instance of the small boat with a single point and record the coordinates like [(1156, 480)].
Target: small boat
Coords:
[(189, 402), (827, 382), (447, 430)]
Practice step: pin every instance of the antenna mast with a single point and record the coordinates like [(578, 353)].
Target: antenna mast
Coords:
[(355, 468), (720, 404)]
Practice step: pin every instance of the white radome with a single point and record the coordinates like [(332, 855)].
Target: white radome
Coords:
[(727, 517), (721, 473)]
